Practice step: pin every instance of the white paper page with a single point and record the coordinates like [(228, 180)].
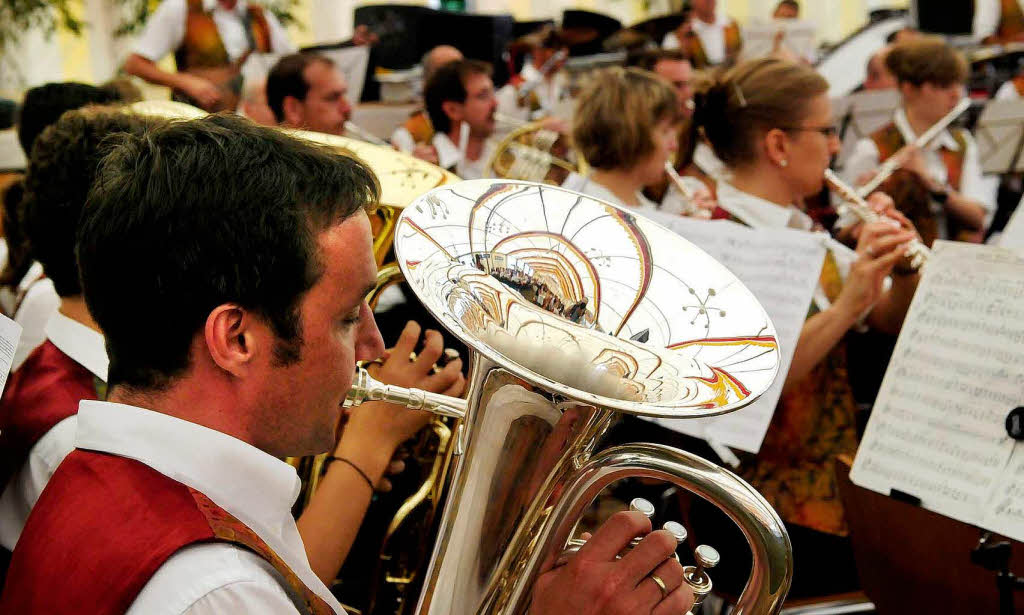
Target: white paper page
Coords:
[(10, 333), (1013, 235), (781, 267), (1005, 511), (937, 430)]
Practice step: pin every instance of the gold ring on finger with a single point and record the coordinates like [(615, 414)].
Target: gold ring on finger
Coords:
[(661, 585)]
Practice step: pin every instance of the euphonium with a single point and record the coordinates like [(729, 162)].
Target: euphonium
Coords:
[(534, 153), (575, 311)]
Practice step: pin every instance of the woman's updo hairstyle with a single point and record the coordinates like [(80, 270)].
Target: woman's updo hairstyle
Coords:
[(732, 108), (616, 114), (926, 59)]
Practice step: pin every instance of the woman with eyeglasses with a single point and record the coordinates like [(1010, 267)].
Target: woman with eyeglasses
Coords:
[(769, 121), (939, 187)]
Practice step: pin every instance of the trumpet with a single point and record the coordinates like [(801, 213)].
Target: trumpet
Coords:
[(853, 202), (689, 197), (516, 271), (894, 162)]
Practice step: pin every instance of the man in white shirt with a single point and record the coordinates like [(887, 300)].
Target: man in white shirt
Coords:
[(231, 355), (307, 91), (211, 40), (708, 38), (414, 135), (461, 102), (998, 21), (542, 84)]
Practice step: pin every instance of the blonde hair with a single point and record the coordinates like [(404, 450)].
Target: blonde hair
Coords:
[(926, 59), (616, 113), (732, 108)]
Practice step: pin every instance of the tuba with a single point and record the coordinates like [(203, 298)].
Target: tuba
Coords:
[(576, 312)]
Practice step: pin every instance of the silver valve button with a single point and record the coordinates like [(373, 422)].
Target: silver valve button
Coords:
[(706, 556), (677, 530), (642, 505)]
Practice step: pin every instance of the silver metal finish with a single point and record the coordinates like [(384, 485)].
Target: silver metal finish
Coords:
[(365, 388), (574, 311), (707, 557), (677, 530), (643, 506)]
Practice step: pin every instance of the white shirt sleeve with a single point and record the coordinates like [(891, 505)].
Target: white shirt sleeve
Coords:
[(164, 31), (986, 18), (863, 159), (671, 41), (40, 302), (972, 184), (508, 103), (402, 139), (279, 42), (212, 579), (1007, 91)]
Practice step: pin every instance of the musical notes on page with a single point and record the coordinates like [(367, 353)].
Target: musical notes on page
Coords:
[(937, 430), (781, 267), (10, 333)]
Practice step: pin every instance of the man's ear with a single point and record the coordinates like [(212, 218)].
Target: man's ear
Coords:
[(231, 338), (294, 111), (453, 109)]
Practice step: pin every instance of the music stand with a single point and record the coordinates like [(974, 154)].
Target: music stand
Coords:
[(912, 560), (1000, 137), (862, 114), (798, 36)]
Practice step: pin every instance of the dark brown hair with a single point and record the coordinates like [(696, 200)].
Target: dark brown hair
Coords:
[(926, 59)]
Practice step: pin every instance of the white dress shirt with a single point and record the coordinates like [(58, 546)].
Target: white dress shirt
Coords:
[(85, 347), (865, 158), (449, 156), (257, 488), (38, 303), (165, 30), (711, 35), (403, 140), (549, 93), (1007, 91), (756, 212), (987, 14), (587, 186)]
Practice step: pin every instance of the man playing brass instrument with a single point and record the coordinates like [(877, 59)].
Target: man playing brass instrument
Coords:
[(238, 348)]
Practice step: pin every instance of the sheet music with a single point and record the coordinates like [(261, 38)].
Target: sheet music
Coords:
[(1013, 235), (781, 267), (999, 135), (10, 333), (798, 36), (937, 430)]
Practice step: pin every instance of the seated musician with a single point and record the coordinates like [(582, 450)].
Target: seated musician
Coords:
[(307, 91), (786, 9), (211, 40), (414, 136), (997, 22), (939, 187), (33, 299), (626, 126), (708, 38), (38, 409), (461, 103), (878, 76), (541, 85), (230, 356), (770, 122)]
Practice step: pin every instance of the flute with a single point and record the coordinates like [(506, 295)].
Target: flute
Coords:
[(917, 252), (689, 198), (364, 135), (894, 162)]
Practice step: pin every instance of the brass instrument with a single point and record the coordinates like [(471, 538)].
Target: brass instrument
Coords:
[(894, 162), (535, 153), (854, 203), (575, 311)]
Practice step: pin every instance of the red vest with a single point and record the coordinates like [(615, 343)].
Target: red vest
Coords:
[(44, 391), (101, 529)]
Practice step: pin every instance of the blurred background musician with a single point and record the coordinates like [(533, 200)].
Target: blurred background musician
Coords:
[(307, 91), (211, 40), (786, 9), (770, 122), (708, 38), (415, 134), (461, 102), (939, 187), (878, 76), (998, 22), (541, 85)]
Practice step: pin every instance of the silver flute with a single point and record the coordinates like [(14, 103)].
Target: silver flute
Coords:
[(689, 198), (853, 202)]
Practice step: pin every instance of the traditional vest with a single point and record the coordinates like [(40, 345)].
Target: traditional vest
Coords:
[(44, 391), (813, 423), (202, 46), (692, 46), (1011, 22), (419, 127), (914, 200), (103, 527)]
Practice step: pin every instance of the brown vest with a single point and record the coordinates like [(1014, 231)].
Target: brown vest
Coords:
[(1011, 22), (202, 46), (692, 46)]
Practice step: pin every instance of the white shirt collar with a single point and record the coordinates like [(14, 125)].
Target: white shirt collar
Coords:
[(721, 20), (448, 154), (758, 212), (944, 140), (241, 6), (84, 345), (530, 73), (255, 487)]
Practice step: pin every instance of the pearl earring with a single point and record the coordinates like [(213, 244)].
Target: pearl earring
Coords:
[(783, 163)]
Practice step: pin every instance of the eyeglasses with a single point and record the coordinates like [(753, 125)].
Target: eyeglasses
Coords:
[(829, 131)]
